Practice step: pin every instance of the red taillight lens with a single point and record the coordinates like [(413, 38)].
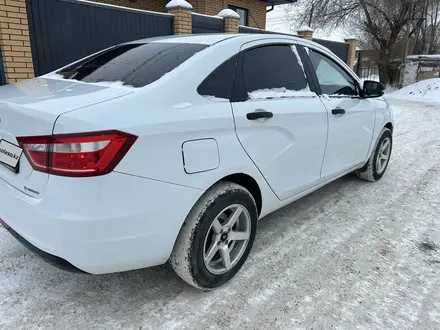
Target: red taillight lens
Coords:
[(81, 155)]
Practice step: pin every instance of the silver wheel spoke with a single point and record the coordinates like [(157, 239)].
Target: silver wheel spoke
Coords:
[(216, 226), (211, 252), (234, 217), (385, 145), (239, 236), (226, 258), (383, 156)]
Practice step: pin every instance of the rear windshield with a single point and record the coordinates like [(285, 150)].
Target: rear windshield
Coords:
[(134, 65)]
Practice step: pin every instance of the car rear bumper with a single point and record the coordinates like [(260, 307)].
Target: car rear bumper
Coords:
[(49, 258), (99, 225)]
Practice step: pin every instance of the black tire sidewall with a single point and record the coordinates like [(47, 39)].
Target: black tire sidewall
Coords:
[(385, 134), (199, 272)]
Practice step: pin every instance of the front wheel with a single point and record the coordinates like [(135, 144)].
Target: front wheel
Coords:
[(379, 160), (217, 236)]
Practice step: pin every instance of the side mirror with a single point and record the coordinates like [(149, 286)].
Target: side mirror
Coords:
[(373, 89)]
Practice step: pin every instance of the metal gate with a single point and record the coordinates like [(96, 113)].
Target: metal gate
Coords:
[(206, 24), (63, 31), (339, 48)]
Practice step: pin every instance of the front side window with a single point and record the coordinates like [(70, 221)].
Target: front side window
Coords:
[(273, 71), (243, 14), (333, 79), (134, 65)]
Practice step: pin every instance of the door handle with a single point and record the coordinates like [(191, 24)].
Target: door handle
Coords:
[(259, 114), (338, 111)]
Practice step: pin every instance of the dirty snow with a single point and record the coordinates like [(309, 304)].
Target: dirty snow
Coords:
[(426, 90), (352, 255), (279, 93)]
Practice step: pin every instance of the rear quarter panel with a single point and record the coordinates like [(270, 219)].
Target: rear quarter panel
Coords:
[(162, 132)]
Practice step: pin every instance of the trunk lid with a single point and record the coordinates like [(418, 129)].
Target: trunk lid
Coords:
[(30, 108)]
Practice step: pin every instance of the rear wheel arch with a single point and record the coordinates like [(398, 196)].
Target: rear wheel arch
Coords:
[(248, 182), (390, 127)]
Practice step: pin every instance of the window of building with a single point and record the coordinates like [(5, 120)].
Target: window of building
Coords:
[(243, 14)]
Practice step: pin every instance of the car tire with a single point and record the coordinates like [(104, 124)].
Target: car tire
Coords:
[(379, 160), (226, 211)]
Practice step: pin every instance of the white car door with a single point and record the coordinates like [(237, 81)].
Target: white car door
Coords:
[(280, 123), (351, 118)]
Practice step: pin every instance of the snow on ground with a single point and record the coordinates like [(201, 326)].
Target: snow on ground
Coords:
[(426, 90), (352, 255)]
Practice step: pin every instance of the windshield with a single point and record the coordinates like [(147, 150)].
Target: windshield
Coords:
[(134, 65)]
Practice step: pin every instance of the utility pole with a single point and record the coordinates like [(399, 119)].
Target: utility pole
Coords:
[(406, 43)]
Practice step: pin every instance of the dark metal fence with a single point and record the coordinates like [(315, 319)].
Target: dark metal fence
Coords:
[(340, 49), (247, 29), (369, 73), (207, 24), (63, 31)]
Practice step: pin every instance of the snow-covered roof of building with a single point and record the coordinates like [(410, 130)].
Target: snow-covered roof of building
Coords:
[(424, 57)]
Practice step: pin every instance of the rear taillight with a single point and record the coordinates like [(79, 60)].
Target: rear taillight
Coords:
[(79, 155)]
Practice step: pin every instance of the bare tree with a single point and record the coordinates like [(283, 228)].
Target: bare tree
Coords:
[(427, 38), (379, 23)]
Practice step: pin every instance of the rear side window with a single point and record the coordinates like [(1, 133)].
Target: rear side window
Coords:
[(219, 82), (134, 65), (273, 68)]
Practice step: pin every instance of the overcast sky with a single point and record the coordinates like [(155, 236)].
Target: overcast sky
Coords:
[(277, 21)]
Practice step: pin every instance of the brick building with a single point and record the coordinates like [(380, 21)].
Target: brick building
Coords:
[(14, 41)]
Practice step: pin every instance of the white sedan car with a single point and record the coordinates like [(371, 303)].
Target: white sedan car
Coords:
[(171, 149)]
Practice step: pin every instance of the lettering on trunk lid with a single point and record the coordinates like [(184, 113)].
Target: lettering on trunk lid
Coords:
[(31, 190)]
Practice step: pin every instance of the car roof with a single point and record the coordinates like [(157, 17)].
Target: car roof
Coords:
[(211, 38)]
